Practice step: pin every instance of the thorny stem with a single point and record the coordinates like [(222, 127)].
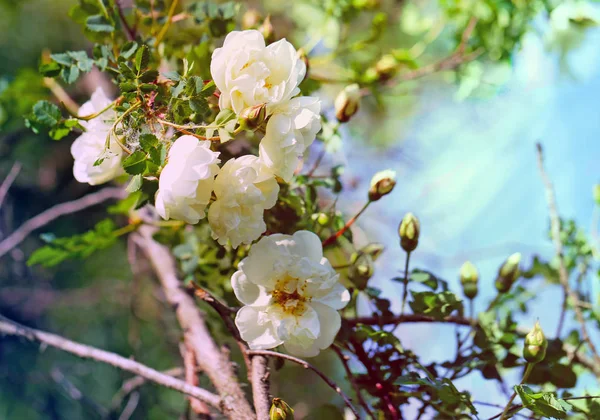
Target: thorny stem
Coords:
[(96, 114), (117, 121), (185, 129), (335, 236)]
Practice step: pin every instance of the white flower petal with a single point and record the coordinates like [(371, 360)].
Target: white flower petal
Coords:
[(337, 298), (257, 333)]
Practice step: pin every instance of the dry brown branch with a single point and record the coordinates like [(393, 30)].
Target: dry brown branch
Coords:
[(191, 377), (10, 327), (563, 275), (210, 359), (307, 365), (344, 359), (8, 181), (57, 211), (261, 387)]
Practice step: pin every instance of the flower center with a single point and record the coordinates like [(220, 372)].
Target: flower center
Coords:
[(286, 296)]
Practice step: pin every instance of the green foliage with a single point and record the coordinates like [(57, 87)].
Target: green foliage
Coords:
[(437, 305), (68, 65), (544, 404), (218, 18), (58, 250), (47, 116)]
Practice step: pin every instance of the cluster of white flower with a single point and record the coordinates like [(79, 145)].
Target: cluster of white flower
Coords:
[(291, 292), (248, 73)]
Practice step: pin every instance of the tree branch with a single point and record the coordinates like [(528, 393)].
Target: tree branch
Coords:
[(8, 181), (260, 387), (10, 327), (563, 275), (210, 359), (136, 382), (344, 360), (307, 365), (55, 212)]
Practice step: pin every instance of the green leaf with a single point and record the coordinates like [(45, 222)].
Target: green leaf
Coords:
[(77, 246), (172, 75), (148, 142), (125, 205), (47, 113), (128, 49), (437, 305), (142, 58), (543, 403), (135, 184), (50, 69), (135, 163), (99, 23)]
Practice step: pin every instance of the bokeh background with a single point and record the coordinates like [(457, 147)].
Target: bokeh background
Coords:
[(465, 157)]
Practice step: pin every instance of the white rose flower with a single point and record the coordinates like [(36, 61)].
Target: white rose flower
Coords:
[(249, 73), (290, 131), (186, 182), (291, 295), (90, 146), (244, 190)]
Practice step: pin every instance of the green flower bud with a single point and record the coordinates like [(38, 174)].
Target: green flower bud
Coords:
[(321, 218), (373, 249), (280, 410), (536, 344), (508, 273), (409, 231), (469, 277), (382, 184), (347, 102), (386, 67), (251, 19), (253, 116), (361, 270)]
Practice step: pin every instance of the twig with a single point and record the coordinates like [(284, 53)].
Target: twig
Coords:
[(130, 407), (563, 275), (518, 407), (307, 365), (191, 377), (508, 407), (261, 387), (128, 30), (405, 283), (344, 360), (333, 238), (74, 393), (8, 181), (165, 28), (10, 327), (62, 96), (135, 383), (210, 359), (55, 212)]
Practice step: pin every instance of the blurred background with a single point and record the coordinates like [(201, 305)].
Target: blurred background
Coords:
[(465, 157)]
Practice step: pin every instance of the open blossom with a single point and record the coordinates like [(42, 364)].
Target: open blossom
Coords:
[(186, 182), (291, 295), (290, 131), (244, 190), (91, 145), (248, 73)]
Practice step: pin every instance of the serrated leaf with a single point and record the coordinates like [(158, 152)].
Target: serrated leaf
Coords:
[(148, 142), (543, 403), (437, 305), (135, 163), (46, 113), (63, 59), (172, 75), (142, 58), (148, 76), (50, 69)]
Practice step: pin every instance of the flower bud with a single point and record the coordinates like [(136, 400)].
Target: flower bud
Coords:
[(280, 410), (509, 272), (469, 277), (304, 57), (536, 344), (382, 184), (409, 231), (267, 30), (321, 218), (373, 249), (251, 19), (361, 270), (347, 102), (386, 67), (253, 116)]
